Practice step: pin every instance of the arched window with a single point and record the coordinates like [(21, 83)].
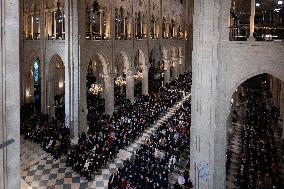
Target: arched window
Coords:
[(36, 71), (36, 81)]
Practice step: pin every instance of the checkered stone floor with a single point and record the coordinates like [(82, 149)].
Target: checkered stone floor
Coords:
[(49, 173), (30, 153)]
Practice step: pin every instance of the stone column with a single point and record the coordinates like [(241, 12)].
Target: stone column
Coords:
[(82, 72), (282, 100), (71, 61), (181, 66), (130, 86), (252, 14), (167, 72), (210, 103), (9, 94), (176, 68), (51, 94), (145, 72), (42, 57), (282, 137), (109, 94), (83, 112)]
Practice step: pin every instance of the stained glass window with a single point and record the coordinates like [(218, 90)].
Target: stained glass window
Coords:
[(36, 72)]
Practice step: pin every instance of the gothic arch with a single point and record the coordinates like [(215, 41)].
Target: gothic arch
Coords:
[(142, 59), (100, 58), (55, 61), (123, 56), (56, 86)]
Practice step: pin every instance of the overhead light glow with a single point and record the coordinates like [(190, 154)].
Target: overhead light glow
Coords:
[(280, 2), (257, 4)]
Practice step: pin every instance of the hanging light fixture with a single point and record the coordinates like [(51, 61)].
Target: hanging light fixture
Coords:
[(138, 76), (96, 89), (120, 81)]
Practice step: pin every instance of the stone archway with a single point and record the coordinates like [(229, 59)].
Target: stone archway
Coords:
[(141, 71), (181, 61), (124, 70), (102, 76), (56, 88), (239, 98), (30, 80)]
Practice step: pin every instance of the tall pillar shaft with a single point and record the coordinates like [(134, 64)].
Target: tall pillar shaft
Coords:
[(210, 104), (167, 72), (9, 95), (130, 86), (71, 61), (145, 82), (176, 68), (42, 58), (282, 99), (182, 66), (282, 137), (109, 95)]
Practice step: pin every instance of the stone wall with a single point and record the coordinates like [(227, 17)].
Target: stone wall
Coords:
[(219, 67)]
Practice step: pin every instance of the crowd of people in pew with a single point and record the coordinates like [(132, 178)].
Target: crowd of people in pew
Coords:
[(52, 135), (108, 134), (150, 166), (183, 179), (96, 104), (259, 166)]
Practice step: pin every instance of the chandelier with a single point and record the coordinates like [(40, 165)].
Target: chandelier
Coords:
[(120, 81), (96, 89), (138, 76)]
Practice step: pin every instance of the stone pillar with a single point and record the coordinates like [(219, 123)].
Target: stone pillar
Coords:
[(83, 64), (51, 94), (9, 94), (252, 19), (182, 66), (71, 61), (282, 100), (109, 94), (176, 68), (130, 86), (42, 57), (210, 103), (282, 137), (167, 72), (145, 72)]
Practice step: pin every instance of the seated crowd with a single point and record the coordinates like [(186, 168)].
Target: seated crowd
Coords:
[(53, 136), (183, 179), (150, 166), (108, 134), (259, 167), (96, 104)]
